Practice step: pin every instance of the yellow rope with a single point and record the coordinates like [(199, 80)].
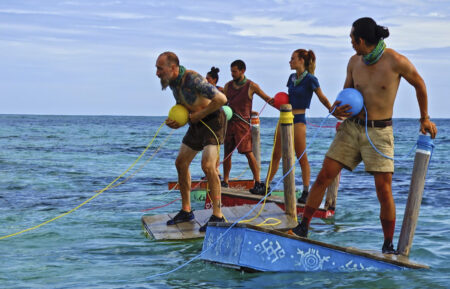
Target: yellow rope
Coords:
[(267, 189), (218, 159), (277, 222), (91, 198), (143, 165)]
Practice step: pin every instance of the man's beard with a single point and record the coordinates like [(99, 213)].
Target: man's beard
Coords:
[(164, 83)]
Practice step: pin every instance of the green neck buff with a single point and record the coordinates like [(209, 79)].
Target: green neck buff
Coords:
[(376, 53), (242, 82), (300, 78), (181, 72)]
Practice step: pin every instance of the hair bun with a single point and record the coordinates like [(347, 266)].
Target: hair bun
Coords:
[(382, 31)]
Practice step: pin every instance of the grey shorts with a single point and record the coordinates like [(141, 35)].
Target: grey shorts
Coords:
[(351, 146)]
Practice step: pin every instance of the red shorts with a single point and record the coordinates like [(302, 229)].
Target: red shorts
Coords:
[(238, 132)]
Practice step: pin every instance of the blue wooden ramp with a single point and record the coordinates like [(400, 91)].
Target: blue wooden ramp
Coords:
[(251, 248)]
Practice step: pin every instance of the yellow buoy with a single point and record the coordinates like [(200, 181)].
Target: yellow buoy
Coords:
[(179, 113)]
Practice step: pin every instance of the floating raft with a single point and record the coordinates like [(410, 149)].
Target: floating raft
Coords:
[(202, 184), (198, 188), (155, 226), (237, 194), (251, 248), (235, 197)]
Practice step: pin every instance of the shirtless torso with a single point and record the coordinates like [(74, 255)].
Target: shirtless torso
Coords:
[(196, 94), (378, 83), (201, 99)]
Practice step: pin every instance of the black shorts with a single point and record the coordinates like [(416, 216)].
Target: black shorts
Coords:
[(198, 135)]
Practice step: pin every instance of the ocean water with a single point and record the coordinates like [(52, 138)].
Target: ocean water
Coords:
[(51, 164)]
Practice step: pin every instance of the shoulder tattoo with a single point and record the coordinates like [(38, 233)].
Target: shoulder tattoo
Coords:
[(195, 85)]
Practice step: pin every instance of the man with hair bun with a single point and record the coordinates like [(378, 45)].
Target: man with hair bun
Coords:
[(375, 71)]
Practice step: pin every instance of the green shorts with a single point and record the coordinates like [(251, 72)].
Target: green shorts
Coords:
[(351, 146)]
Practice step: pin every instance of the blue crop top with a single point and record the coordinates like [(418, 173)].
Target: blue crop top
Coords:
[(300, 95)]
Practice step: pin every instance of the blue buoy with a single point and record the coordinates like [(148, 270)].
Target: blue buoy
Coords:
[(353, 98)]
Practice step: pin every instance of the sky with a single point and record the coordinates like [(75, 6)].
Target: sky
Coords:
[(84, 57)]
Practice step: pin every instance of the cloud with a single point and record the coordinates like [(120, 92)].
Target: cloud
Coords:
[(21, 28), (407, 32), (105, 14), (290, 31), (122, 15), (30, 12), (411, 33), (117, 36), (287, 29)]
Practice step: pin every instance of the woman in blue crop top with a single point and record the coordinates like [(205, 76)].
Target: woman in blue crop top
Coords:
[(301, 86)]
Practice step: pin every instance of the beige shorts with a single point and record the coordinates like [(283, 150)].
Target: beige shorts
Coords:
[(351, 146)]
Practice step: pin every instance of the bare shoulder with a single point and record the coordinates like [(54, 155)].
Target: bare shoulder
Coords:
[(253, 85), (191, 73), (192, 77), (353, 60), (399, 62), (225, 87)]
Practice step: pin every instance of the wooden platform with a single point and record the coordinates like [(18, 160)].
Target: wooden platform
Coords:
[(202, 184), (237, 197), (156, 226), (247, 247)]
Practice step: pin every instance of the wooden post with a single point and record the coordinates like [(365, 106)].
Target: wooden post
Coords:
[(332, 190), (256, 140), (423, 153), (287, 152)]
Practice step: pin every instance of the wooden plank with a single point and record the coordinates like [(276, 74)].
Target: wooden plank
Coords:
[(241, 211), (236, 193), (390, 258), (202, 216), (202, 184), (189, 230), (229, 214), (272, 210), (245, 194), (157, 228), (398, 260)]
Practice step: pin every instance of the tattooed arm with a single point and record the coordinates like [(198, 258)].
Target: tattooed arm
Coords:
[(202, 89)]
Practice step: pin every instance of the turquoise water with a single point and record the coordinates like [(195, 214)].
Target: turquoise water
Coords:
[(51, 164)]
